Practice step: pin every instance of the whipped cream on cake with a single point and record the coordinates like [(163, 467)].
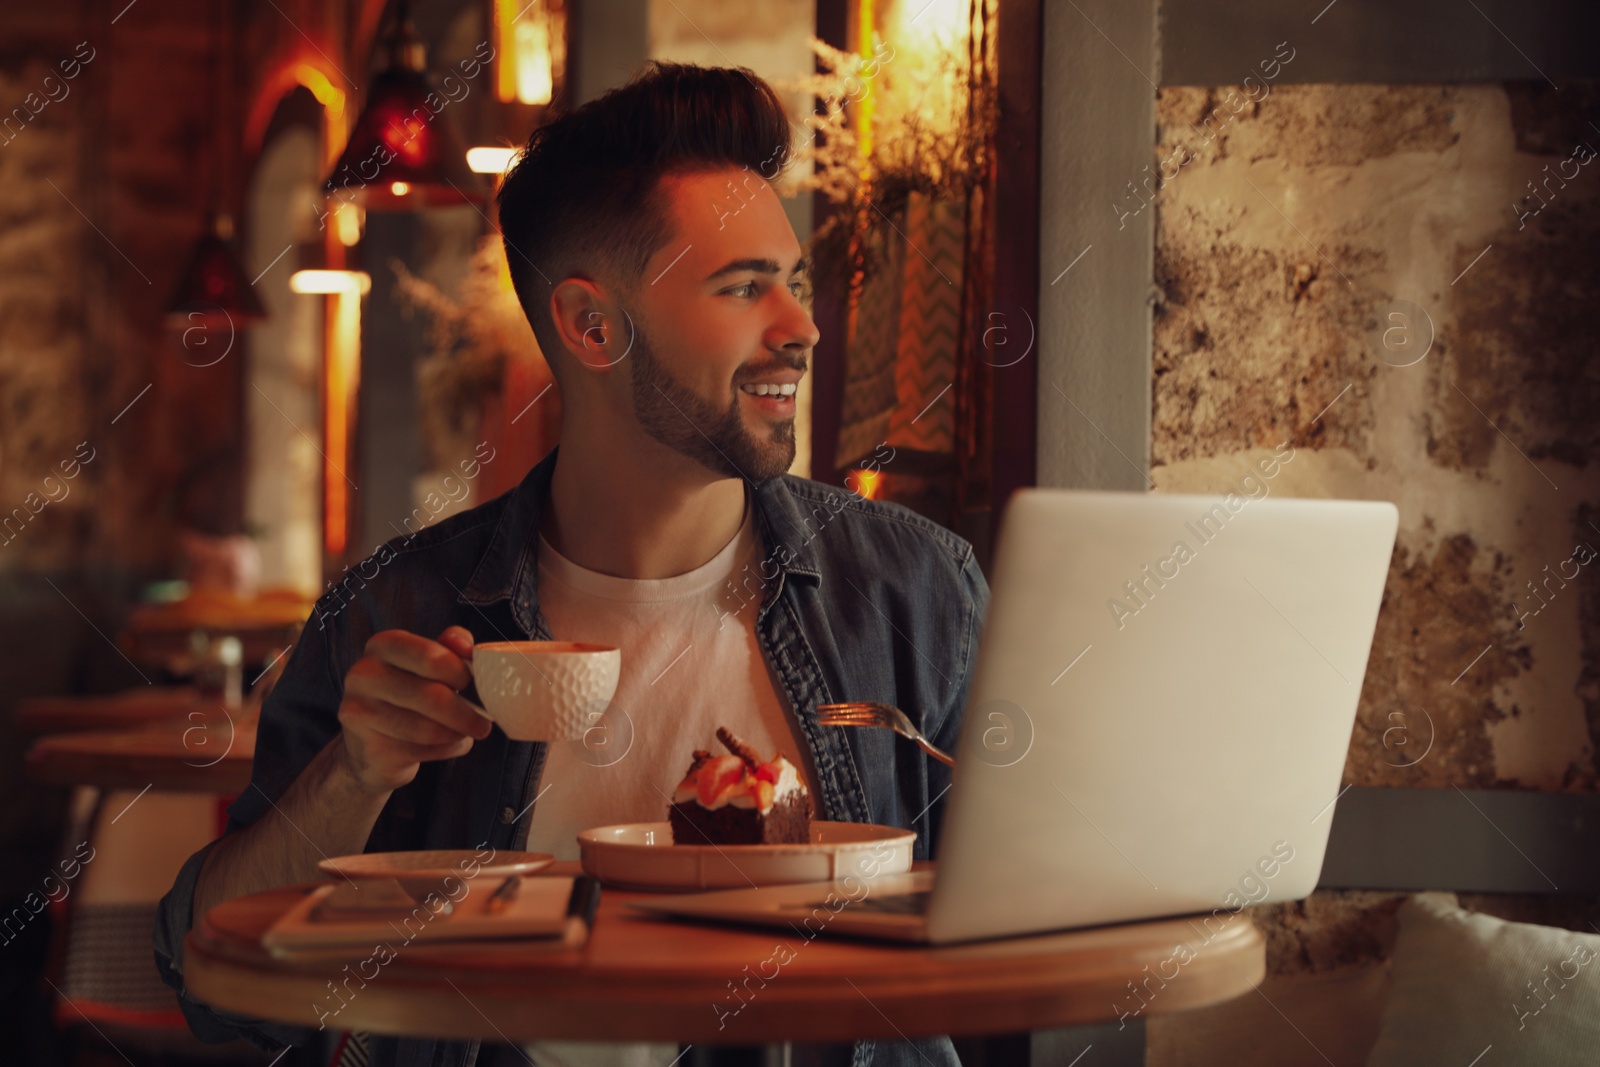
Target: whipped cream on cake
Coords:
[(740, 799), (718, 780)]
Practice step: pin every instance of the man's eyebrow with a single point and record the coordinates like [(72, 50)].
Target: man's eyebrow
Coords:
[(760, 266)]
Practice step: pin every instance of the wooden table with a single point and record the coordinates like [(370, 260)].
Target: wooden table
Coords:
[(266, 625), (647, 979), (206, 754), (132, 708)]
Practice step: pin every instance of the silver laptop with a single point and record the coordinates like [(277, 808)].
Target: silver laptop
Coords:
[(1164, 696)]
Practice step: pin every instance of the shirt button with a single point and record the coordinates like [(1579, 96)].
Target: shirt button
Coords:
[(507, 816)]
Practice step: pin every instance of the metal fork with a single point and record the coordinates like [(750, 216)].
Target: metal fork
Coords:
[(869, 713)]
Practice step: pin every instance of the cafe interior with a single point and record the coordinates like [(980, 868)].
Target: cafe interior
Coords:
[(257, 321)]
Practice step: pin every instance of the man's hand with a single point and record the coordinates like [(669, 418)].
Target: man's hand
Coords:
[(401, 707)]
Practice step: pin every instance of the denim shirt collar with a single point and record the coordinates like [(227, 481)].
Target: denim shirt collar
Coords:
[(509, 569)]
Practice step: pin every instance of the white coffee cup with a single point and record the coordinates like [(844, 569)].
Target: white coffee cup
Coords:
[(545, 690)]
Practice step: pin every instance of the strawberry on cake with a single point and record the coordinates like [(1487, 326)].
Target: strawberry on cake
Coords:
[(740, 799)]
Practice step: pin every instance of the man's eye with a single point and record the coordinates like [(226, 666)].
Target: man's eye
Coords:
[(747, 289), (797, 287)]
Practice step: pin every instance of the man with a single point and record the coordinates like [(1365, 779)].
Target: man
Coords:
[(663, 282)]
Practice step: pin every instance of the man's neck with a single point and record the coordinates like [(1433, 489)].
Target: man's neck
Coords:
[(638, 513)]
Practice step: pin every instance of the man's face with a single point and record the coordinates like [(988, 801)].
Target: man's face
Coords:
[(720, 340)]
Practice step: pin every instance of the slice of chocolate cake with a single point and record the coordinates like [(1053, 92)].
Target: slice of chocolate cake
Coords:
[(740, 800)]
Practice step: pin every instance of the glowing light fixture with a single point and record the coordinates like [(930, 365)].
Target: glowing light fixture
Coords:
[(214, 283), (358, 282), (869, 483), (404, 152), (341, 377), (347, 220), (933, 25), (531, 46), (490, 160)]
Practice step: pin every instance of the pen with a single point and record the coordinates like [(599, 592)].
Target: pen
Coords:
[(504, 895)]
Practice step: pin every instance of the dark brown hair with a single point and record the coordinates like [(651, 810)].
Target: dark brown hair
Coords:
[(585, 195)]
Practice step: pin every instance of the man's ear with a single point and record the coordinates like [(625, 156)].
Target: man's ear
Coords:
[(592, 326)]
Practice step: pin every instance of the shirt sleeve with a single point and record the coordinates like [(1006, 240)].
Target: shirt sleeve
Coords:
[(298, 719), (973, 602)]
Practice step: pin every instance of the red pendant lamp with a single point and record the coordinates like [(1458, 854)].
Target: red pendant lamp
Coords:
[(403, 153), (213, 284)]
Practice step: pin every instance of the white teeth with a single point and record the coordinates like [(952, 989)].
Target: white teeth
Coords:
[(765, 389)]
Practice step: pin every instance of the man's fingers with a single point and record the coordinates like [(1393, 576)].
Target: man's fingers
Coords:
[(398, 724), (413, 753), (417, 655), (458, 639), (375, 679)]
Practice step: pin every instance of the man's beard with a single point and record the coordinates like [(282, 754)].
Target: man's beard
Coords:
[(715, 438)]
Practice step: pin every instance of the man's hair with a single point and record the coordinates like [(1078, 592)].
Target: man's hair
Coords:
[(585, 196)]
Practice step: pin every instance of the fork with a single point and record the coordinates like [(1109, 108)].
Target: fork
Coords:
[(870, 713)]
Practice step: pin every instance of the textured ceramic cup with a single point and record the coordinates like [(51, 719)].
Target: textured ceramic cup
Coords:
[(545, 690)]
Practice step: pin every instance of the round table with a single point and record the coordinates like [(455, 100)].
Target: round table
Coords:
[(199, 754), (646, 979)]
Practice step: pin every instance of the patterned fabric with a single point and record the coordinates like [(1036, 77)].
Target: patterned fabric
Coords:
[(900, 356), (930, 326), (869, 374), (109, 962)]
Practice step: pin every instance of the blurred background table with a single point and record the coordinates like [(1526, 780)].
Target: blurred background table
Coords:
[(132, 708), (160, 636), (209, 753)]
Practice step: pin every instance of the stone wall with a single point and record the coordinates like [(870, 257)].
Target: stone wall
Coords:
[(1284, 251)]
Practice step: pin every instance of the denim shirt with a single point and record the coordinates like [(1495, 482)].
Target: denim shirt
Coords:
[(854, 600)]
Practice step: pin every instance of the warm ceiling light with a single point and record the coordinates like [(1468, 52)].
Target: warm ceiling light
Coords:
[(400, 144), (532, 43), (330, 281), (214, 282), (531, 49), (488, 160), (347, 224), (869, 483)]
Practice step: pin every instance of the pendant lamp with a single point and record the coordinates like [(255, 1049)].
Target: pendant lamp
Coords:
[(214, 284), (404, 152)]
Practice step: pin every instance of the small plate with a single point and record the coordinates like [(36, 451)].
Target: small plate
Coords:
[(421, 873), (641, 855)]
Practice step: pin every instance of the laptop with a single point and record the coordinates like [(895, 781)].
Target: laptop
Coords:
[(1157, 724)]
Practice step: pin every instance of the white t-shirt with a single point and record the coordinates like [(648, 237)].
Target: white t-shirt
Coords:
[(690, 663)]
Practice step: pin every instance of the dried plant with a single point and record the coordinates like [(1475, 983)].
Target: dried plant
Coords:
[(471, 338), (931, 128)]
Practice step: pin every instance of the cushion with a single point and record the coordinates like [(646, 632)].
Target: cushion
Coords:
[(1472, 989)]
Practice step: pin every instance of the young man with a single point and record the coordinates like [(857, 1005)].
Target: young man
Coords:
[(663, 282)]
